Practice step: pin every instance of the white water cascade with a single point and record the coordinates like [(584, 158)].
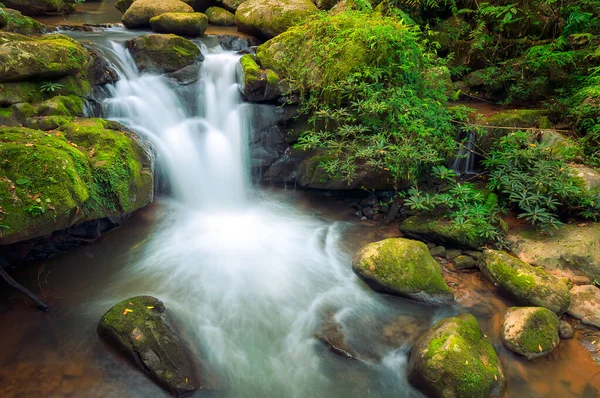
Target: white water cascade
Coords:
[(249, 277)]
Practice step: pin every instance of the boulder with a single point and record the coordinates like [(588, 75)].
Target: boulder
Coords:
[(39, 7), (256, 84), (35, 91), (232, 5), (454, 360), (530, 285), (24, 57), (585, 305), (163, 53), (140, 328), (464, 262), (180, 23), (590, 177), (269, 18), (571, 247), (123, 5), (220, 16), (565, 330), (15, 22), (531, 332), (402, 267), (138, 15), (86, 170), (561, 146), (441, 231)]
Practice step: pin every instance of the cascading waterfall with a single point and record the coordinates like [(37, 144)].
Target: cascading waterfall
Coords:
[(249, 277), (465, 160)]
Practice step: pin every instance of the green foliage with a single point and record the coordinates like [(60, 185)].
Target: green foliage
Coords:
[(50, 87)]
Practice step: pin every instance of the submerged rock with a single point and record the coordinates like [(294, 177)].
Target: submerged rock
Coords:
[(404, 268), (528, 284), (138, 15), (585, 305), (531, 332), (454, 360), (269, 18), (139, 327), (163, 53), (220, 16), (256, 84), (180, 23)]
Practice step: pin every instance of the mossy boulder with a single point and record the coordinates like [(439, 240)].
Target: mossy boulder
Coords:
[(123, 5), (60, 106), (232, 5), (39, 7), (269, 18), (531, 332), (23, 57), (33, 91), (163, 53), (454, 360), (402, 267), (180, 23), (141, 329), (86, 170), (220, 16), (256, 84), (529, 285), (585, 305), (138, 15), (560, 146), (15, 22), (442, 231)]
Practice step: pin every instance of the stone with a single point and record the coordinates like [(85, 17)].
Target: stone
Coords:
[(40, 7), (580, 280), (256, 84), (180, 23), (123, 5), (15, 22), (477, 255), (464, 262), (585, 305), (440, 231), (565, 330), (529, 285), (140, 328), (531, 332), (454, 360), (452, 254), (138, 15), (590, 177), (269, 18), (220, 16), (163, 53), (402, 267), (561, 147), (439, 251)]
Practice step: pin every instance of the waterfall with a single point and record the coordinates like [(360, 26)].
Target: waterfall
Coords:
[(465, 159)]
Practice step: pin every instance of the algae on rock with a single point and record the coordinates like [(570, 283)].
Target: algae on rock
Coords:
[(531, 332), (269, 18), (163, 53), (180, 23)]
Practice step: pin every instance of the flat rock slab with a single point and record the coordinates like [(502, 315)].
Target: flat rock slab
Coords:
[(585, 305)]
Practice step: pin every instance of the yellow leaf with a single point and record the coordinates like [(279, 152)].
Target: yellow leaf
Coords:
[(467, 362), (127, 310), (186, 379), (130, 303), (495, 377), (540, 347), (594, 342), (149, 307)]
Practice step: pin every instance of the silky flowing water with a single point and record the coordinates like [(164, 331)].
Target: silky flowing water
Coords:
[(251, 275)]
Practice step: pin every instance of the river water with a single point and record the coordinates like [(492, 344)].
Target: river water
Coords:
[(250, 274)]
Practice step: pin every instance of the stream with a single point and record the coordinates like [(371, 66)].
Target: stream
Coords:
[(251, 274)]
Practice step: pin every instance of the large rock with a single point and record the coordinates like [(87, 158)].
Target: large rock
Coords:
[(404, 268), (590, 177), (38, 7), (441, 231), (232, 5), (87, 169), (23, 57), (571, 247), (585, 305), (15, 22), (530, 285), (269, 18), (123, 5), (454, 360), (531, 332), (180, 23), (140, 328), (138, 15), (220, 16), (256, 84), (163, 53)]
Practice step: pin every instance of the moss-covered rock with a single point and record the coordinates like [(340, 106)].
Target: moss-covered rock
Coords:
[(15, 22), (180, 23), (269, 18), (530, 285), (24, 57), (123, 5), (88, 169), (34, 91), (561, 146), (138, 15), (220, 16), (441, 231), (232, 5), (256, 84), (60, 106), (163, 53), (531, 332), (454, 360), (404, 268), (38, 7), (140, 328), (585, 305)]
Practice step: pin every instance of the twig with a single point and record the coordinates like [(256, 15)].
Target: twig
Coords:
[(38, 303)]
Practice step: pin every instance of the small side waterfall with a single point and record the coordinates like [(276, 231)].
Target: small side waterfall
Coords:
[(465, 159)]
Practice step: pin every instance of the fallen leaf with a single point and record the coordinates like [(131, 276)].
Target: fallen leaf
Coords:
[(127, 310), (495, 377), (149, 307), (467, 362), (540, 347), (92, 152), (186, 379), (581, 225), (28, 145), (130, 303), (594, 342)]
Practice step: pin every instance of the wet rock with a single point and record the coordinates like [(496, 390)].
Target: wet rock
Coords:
[(123, 5), (101, 72), (565, 330), (439, 251), (454, 360), (585, 305), (220, 16), (528, 284), (140, 328), (531, 332), (440, 231), (256, 84), (180, 23), (404, 268), (477, 255), (464, 262), (452, 254), (15, 22), (235, 42), (39, 7), (269, 18), (331, 335), (138, 15), (187, 75), (163, 53)]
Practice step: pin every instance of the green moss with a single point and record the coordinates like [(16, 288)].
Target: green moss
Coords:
[(220, 16), (272, 77), (250, 68), (541, 331), (61, 106), (517, 118), (442, 231), (269, 18), (16, 22)]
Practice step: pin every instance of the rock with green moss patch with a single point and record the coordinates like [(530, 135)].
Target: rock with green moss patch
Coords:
[(441, 231), (256, 84), (33, 91), (39, 7), (454, 360), (138, 15), (530, 285), (402, 267), (232, 5), (24, 57), (180, 23), (141, 329), (60, 106), (163, 53), (561, 146), (220, 16), (531, 332), (123, 5), (585, 305), (269, 18), (16, 22), (86, 170)]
